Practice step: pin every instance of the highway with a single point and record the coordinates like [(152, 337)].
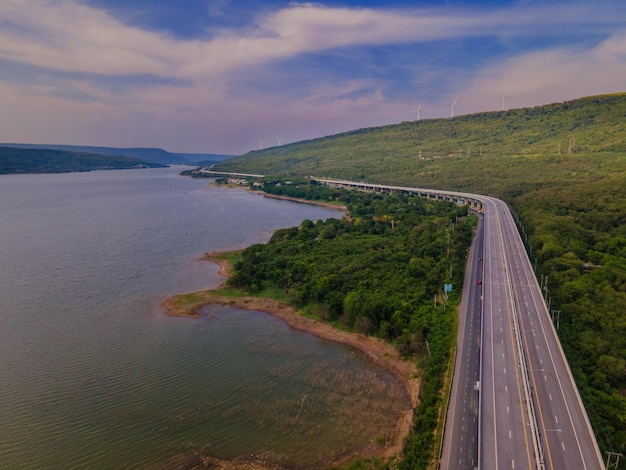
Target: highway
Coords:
[(530, 415), (507, 435), (460, 444), (564, 436)]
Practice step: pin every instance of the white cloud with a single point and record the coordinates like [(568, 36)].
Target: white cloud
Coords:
[(68, 36), (72, 51), (551, 75)]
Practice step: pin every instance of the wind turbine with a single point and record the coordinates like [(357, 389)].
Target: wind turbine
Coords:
[(502, 98), (279, 140), (260, 144), (417, 110), (452, 106)]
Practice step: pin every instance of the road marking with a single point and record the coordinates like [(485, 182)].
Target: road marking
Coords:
[(563, 445), (556, 420)]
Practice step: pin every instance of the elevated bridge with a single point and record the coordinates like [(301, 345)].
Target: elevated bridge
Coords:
[(208, 171), (472, 200)]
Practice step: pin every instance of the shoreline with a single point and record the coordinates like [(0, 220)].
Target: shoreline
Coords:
[(327, 205), (312, 202), (381, 353)]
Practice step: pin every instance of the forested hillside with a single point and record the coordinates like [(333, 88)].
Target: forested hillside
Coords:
[(19, 160), (153, 155), (588, 125), (562, 169)]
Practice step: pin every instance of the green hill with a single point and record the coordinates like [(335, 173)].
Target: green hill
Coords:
[(152, 155), (561, 168), (22, 160), (587, 125)]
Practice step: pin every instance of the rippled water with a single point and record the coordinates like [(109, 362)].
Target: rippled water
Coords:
[(94, 375)]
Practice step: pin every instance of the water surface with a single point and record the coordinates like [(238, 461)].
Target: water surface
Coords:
[(94, 375)]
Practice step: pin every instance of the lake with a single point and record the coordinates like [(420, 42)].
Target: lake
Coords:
[(95, 375)]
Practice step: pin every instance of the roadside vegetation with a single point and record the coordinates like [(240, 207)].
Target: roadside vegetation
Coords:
[(380, 271), (562, 170)]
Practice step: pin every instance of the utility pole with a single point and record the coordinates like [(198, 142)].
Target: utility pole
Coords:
[(558, 318), (448, 250)]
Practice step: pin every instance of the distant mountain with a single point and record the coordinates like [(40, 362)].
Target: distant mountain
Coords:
[(153, 155), (28, 160), (203, 158)]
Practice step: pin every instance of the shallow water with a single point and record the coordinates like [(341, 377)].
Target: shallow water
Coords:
[(96, 376)]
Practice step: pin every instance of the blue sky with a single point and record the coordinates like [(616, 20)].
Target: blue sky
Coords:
[(226, 76)]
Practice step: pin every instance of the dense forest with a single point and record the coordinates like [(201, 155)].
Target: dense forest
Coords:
[(562, 170), (22, 160), (380, 271)]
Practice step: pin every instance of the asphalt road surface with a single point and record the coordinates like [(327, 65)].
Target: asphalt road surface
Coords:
[(460, 444), (564, 438)]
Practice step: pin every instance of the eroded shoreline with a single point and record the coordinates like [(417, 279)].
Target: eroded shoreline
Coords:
[(379, 352)]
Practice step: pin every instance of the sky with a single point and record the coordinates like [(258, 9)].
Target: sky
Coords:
[(230, 76)]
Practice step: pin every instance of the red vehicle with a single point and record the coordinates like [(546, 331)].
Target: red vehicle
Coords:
[(479, 282)]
